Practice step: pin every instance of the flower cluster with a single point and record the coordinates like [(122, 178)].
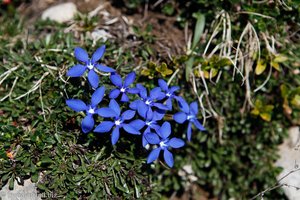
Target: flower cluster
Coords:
[(142, 116)]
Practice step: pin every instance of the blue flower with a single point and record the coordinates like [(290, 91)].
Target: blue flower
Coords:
[(164, 142), (114, 111), (150, 121), (90, 64), (146, 102), (169, 92), (189, 114), (88, 122), (122, 88)]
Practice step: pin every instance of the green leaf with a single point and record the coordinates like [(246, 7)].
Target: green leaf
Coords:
[(266, 116), (260, 67), (198, 28), (280, 58)]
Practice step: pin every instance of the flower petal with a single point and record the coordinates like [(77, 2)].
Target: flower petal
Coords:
[(176, 143), (169, 103), (152, 138), (81, 55), (168, 156), (137, 124), (128, 114), (165, 130), (155, 92), (173, 89), (124, 98), (129, 79), (144, 141), (76, 105), (114, 93), (104, 68), (163, 85), (93, 78), (87, 123), (76, 71), (97, 55), (98, 96), (133, 90), (194, 107), (143, 91), (142, 109), (116, 80), (115, 135), (180, 117), (107, 112), (183, 105), (161, 106), (129, 129), (115, 106), (153, 155), (198, 125), (189, 131), (149, 115), (134, 105), (158, 115), (104, 127)]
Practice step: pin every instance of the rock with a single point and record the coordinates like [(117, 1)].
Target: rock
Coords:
[(60, 13), (26, 192), (289, 160)]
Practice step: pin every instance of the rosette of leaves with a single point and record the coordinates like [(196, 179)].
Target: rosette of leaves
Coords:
[(262, 110), (273, 61), (153, 70), (211, 67)]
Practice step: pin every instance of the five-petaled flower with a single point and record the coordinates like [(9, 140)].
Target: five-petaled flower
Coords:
[(164, 142), (90, 64), (146, 102), (114, 111), (88, 122), (150, 122), (169, 92), (122, 88), (189, 113)]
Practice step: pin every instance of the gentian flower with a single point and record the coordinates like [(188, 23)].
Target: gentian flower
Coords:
[(88, 122), (169, 92), (146, 102), (122, 88), (114, 111), (189, 113), (150, 121), (89, 64), (164, 142)]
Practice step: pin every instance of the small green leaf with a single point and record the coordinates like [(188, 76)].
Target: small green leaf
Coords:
[(260, 67)]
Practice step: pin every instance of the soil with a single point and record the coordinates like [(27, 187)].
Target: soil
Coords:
[(169, 38)]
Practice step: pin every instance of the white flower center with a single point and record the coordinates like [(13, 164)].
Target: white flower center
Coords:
[(123, 89), (91, 110), (168, 94), (162, 144), (118, 122), (148, 102), (148, 123), (190, 117), (90, 66)]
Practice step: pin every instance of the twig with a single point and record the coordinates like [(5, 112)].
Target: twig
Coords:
[(35, 87), (11, 90)]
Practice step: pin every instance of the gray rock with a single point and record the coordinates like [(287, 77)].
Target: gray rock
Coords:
[(289, 160), (26, 192), (60, 13)]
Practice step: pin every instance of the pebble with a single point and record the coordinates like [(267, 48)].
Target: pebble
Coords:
[(289, 160), (60, 13)]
